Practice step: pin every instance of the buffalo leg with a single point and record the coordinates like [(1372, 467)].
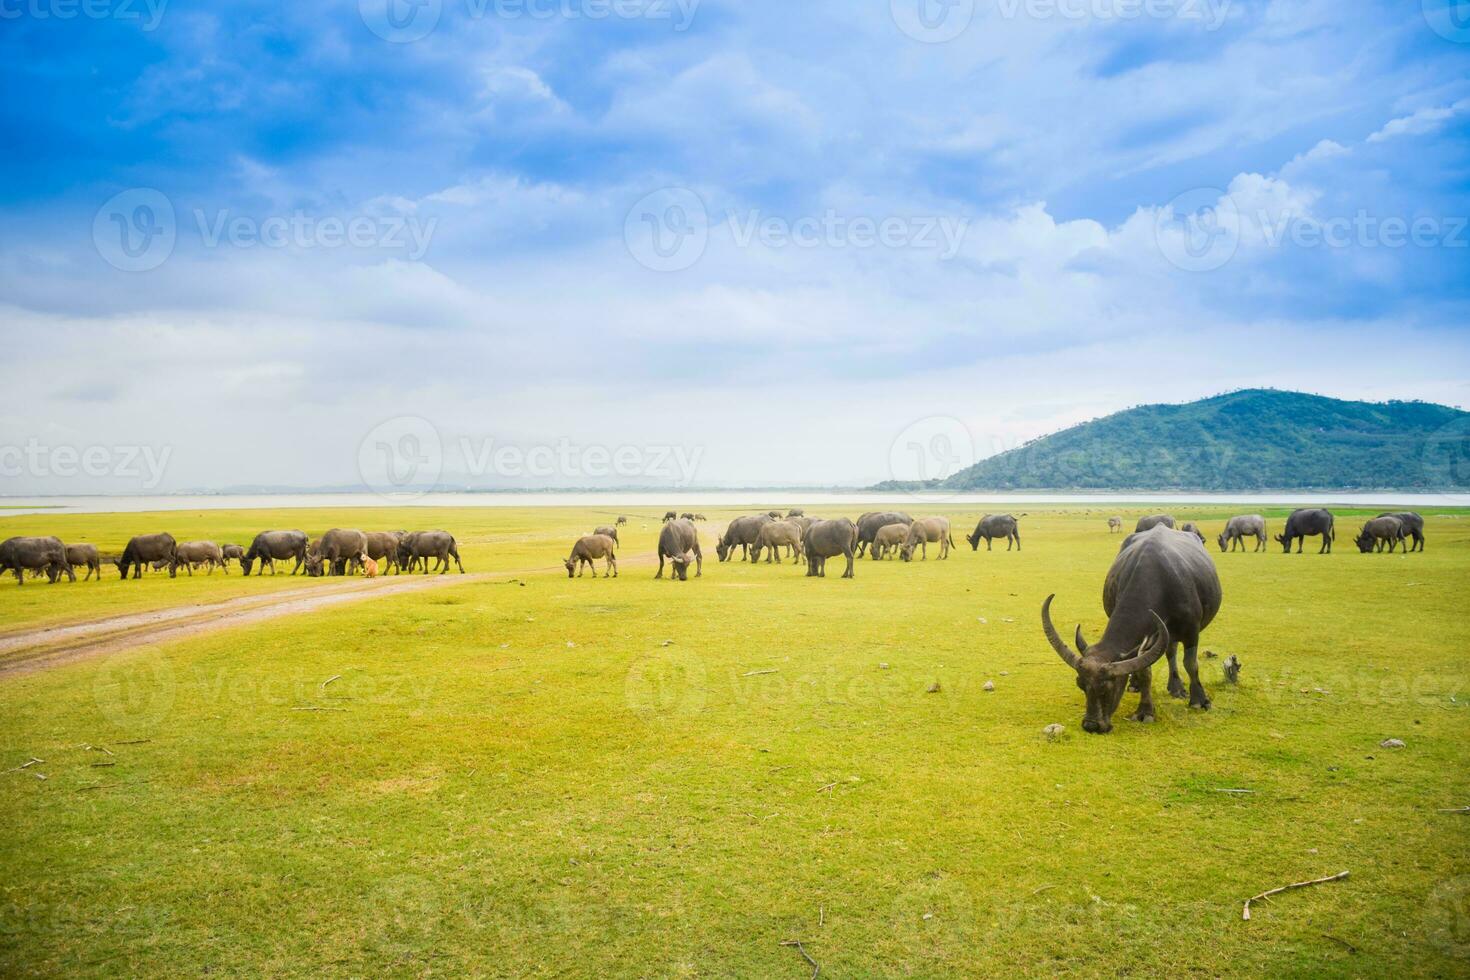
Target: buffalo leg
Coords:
[(848, 573), (1197, 696), (1176, 683), (1142, 681)]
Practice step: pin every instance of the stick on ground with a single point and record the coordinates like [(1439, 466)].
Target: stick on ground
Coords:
[(1246, 912), (816, 969)]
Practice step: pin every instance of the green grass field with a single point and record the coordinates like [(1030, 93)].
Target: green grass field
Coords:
[(530, 775)]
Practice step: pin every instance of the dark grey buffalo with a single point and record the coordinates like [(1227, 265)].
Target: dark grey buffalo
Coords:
[(678, 543), (872, 522), (670, 516), (622, 519), (1381, 531), (192, 554), (1304, 523), (1413, 527), (1145, 523), (1190, 527), (232, 552), (1237, 529), (742, 532), (796, 512), (21, 555), (828, 539), (588, 548), (146, 548), (995, 526), (1162, 590), (774, 536), (334, 551), (382, 546), (608, 530), (85, 556), (420, 546), (270, 547)]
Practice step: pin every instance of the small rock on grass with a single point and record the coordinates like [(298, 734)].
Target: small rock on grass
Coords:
[(989, 685), (1053, 731), (1391, 743), (933, 688)]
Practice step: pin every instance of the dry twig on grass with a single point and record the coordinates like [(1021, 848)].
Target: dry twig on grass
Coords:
[(135, 741), (1245, 913), (27, 765), (1341, 942), (1457, 809), (318, 708), (816, 968), (826, 788), (757, 673), (1232, 791)]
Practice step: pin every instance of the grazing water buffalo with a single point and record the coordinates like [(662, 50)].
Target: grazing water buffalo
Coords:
[(20, 555), (270, 547), (232, 552), (382, 546), (888, 540), (423, 545), (1303, 523), (608, 530), (335, 551), (85, 556), (796, 512), (147, 548), (995, 526), (1413, 527), (1190, 527), (679, 543), (923, 531), (590, 547), (828, 539), (1237, 529), (870, 523), (742, 532), (700, 517), (192, 553), (1162, 590), (775, 536), (670, 516), (687, 516), (1115, 525), (1144, 523), (622, 519), (1380, 531)]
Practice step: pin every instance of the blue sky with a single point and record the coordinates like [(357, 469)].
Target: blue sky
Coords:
[(782, 237)]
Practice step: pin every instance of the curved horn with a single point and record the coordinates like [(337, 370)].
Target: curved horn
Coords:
[(1065, 652), (1146, 655), (1082, 644)]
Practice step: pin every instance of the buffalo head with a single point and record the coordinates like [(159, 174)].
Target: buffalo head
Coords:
[(1365, 542), (1224, 542), (1285, 543), (974, 540), (1103, 670), (722, 548), (571, 566), (680, 564)]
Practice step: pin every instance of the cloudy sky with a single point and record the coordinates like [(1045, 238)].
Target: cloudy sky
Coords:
[(721, 242)]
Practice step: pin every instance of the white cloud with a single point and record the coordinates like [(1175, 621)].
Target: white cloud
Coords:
[(1423, 121)]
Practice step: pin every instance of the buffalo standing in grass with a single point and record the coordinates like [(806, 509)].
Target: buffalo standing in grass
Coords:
[(1145, 523), (85, 556), (678, 542), (147, 548), (420, 546), (1190, 527), (270, 547), (887, 541), (924, 531), (1304, 523), (828, 539), (870, 523), (1162, 590), (20, 555), (588, 548), (796, 512), (1237, 529), (608, 530), (193, 553), (338, 549), (382, 546), (1115, 525), (1381, 531), (775, 536), (995, 526), (670, 516), (742, 532), (232, 552), (1413, 527)]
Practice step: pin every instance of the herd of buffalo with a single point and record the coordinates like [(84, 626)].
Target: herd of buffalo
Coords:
[(1160, 593), (340, 551)]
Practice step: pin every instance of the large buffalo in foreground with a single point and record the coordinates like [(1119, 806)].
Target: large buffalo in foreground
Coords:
[(995, 526), (1237, 529), (678, 542), (21, 555), (270, 547), (420, 546), (870, 523), (1162, 590), (828, 539), (1413, 527), (146, 548), (1304, 523)]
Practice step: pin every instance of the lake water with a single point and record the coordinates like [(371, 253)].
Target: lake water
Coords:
[(652, 501)]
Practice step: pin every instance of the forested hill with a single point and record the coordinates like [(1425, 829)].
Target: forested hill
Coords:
[(1245, 440)]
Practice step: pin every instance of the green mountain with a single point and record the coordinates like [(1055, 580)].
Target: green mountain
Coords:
[(1245, 440)]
